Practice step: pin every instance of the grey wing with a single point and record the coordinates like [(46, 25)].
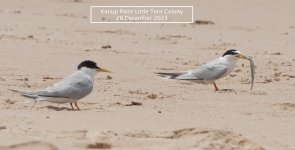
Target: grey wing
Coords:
[(75, 86), (205, 72)]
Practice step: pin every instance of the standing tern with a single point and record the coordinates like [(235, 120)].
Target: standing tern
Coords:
[(69, 90), (211, 71)]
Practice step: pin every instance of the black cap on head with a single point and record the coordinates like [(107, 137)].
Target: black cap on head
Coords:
[(230, 52), (88, 64)]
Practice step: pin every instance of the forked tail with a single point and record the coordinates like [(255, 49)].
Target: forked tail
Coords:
[(28, 94), (169, 75)]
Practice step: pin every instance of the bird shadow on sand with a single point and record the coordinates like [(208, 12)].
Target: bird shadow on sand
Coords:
[(235, 91), (227, 91), (70, 109), (59, 108)]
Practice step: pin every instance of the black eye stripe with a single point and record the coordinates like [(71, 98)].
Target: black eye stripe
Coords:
[(88, 64), (230, 52)]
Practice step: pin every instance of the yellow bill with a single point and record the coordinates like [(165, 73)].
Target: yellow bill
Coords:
[(242, 56), (102, 70)]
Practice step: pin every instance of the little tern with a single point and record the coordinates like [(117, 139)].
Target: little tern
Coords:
[(69, 90), (211, 71)]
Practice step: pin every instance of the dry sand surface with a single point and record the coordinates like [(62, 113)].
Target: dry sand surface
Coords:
[(132, 108)]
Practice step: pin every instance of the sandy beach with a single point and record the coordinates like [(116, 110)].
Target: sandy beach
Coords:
[(132, 108)]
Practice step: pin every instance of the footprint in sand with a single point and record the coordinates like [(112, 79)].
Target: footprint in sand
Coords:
[(31, 146), (189, 138)]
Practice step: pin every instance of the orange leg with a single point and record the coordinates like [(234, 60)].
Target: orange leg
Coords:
[(77, 106), (215, 86), (72, 106)]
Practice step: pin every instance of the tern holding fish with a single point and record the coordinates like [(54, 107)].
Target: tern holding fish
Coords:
[(213, 70)]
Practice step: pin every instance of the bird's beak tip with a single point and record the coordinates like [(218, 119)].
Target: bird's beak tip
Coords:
[(103, 70), (242, 56)]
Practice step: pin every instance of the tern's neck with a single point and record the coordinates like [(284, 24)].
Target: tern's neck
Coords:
[(230, 62), (90, 72), (229, 59)]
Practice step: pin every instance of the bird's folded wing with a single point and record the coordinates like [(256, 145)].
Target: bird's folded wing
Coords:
[(75, 86), (72, 88), (39, 95), (205, 73)]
